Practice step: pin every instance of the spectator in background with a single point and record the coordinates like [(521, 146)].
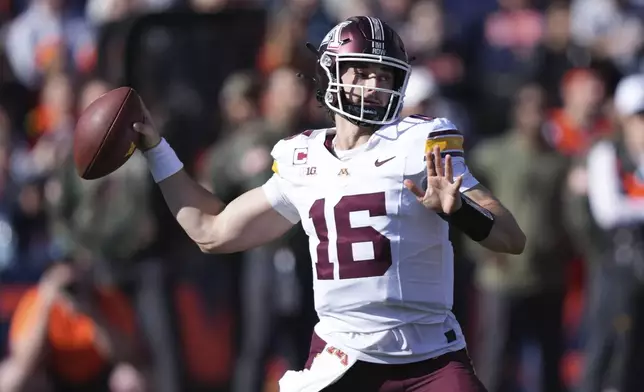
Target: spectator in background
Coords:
[(34, 156), (342, 9), (48, 134), (422, 97), (55, 114), (282, 103), (428, 38), (239, 158), (89, 217), (99, 12), (317, 20), (48, 37), (558, 53), (239, 163), (611, 30), (395, 12), (8, 193), (207, 5), (284, 45), (33, 241), (505, 58), (580, 121), (242, 126), (522, 295), (616, 194), (68, 334)]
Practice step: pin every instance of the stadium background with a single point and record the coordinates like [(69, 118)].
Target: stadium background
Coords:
[(210, 68)]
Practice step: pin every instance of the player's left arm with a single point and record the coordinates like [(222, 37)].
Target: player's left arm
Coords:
[(505, 236), (457, 197)]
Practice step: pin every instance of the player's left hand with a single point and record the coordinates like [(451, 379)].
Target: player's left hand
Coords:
[(442, 194)]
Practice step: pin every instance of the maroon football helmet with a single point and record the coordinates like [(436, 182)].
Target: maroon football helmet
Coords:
[(361, 39)]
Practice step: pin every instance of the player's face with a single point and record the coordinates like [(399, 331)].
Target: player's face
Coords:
[(370, 76)]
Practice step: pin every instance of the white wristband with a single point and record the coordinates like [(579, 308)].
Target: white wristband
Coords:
[(162, 161)]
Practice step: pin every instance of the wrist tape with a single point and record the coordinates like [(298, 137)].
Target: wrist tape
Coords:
[(162, 161)]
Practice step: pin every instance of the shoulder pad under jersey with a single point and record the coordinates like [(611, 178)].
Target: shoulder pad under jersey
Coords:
[(431, 124), (437, 131), (292, 150)]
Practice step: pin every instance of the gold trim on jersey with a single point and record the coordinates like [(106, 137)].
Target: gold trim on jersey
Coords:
[(274, 168), (449, 143)]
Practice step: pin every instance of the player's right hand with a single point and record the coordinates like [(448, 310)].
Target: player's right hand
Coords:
[(150, 137)]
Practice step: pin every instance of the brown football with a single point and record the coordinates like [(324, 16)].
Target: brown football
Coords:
[(103, 138)]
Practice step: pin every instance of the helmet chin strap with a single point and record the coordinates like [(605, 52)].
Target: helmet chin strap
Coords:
[(313, 49)]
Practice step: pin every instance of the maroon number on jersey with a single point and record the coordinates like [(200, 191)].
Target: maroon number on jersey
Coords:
[(349, 268)]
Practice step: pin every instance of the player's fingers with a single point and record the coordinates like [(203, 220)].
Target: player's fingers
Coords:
[(146, 113), (438, 162), (145, 129), (409, 184), (449, 169), (149, 137), (431, 167), (458, 181)]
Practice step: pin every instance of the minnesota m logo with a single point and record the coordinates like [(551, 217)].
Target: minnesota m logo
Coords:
[(130, 151)]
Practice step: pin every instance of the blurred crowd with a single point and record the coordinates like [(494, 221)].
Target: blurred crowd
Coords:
[(100, 290)]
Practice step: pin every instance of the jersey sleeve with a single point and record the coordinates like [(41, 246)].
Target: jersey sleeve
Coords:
[(443, 133), (278, 189)]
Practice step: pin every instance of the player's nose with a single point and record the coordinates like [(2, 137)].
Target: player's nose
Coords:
[(369, 92), (371, 89), (372, 83)]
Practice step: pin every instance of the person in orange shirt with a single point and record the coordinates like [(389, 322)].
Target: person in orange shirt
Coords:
[(68, 335), (572, 129)]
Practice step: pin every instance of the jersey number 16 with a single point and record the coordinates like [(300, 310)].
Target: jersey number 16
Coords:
[(348, 267)]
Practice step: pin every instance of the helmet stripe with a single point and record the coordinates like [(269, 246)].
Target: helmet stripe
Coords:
[(378, 29), (373, 34), (378, 36)]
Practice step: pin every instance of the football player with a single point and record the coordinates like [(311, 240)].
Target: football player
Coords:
[(376, 195)]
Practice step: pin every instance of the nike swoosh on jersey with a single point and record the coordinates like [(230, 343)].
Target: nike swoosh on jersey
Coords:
[(379, 163)]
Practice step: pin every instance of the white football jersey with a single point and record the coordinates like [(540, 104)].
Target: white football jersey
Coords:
[(382, 263)]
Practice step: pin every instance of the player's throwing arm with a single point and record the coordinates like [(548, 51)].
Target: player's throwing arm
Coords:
[(246, 222), (108, 133)]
